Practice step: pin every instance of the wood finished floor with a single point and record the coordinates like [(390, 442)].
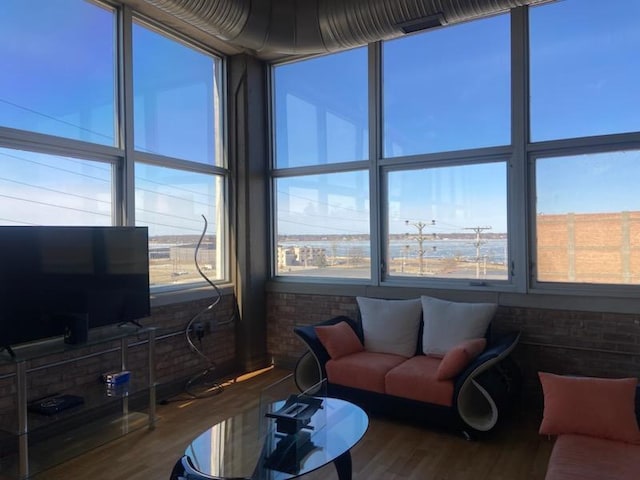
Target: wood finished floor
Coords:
[(389, 450)]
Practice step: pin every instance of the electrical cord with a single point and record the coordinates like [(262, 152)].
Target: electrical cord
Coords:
[(214, 388)]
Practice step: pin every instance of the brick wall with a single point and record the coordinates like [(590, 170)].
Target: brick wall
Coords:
[(564, 342), (593, 248)]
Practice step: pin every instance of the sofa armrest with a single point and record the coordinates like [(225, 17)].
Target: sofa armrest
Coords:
[(494, 352), (482, 391), (308, 335)]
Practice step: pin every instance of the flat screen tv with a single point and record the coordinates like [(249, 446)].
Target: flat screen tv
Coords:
[(50, 273)]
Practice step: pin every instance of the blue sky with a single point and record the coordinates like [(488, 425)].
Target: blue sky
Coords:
[(450, 89), (444, 90), (59, 77)]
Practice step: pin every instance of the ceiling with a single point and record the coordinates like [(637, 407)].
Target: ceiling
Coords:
[(274, 29)]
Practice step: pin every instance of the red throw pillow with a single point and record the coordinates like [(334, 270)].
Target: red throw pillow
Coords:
[(339, 339), (457, 358), (598, 407)]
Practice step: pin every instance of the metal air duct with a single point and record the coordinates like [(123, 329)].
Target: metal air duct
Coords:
[(296, 27)]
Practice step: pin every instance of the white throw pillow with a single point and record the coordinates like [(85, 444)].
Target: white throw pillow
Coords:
[(446, 324), (390, 326)]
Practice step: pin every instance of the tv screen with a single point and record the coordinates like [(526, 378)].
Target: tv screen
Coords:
[(48, 274)]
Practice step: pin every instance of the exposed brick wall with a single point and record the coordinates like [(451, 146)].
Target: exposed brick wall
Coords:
[(286, 310), (595, 248), (564, 342), (175, 362)]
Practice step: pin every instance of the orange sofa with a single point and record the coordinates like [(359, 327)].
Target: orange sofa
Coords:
[(471, 397), (596, 423)]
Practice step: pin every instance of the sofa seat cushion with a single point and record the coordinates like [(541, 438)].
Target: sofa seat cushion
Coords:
[(363, 370), (579, 457), (416, 378)]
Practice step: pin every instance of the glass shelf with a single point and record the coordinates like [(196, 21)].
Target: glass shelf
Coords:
[(32, 441)]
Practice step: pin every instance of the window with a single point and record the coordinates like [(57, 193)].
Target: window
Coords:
[(59, 69), (587, 231), (323, 225), (443, 218), (448, 222), (448, 89), (585, 69), (42, 189), (172, 203), (176, 110), (177, 115), (62, 112), (321, 118), (474, 182)]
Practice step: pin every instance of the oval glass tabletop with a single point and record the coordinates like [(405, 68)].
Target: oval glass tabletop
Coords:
[(247, 446)]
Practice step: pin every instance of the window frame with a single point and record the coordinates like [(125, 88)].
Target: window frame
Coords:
[(564, 148), (123, 156), (522, 287), (471, 157)]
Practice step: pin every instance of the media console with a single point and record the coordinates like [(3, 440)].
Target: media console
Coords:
[(36, 441)]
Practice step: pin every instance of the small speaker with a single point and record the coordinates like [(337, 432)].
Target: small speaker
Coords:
[(76, 328)]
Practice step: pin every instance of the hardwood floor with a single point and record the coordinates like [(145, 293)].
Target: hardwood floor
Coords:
[(389, 450)]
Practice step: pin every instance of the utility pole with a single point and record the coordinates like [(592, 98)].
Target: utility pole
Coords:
[(477, 244), (420, 238)]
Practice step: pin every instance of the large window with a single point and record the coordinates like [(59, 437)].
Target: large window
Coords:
[(42, 189), (448, 222), (174, 110), (322, 225), (442, 91), (505, 154), (448, 89), (584, 72), (321, 118), (77, 148), (585, 69), (177, 116), (59, 69), (172, 203), (587, 231)]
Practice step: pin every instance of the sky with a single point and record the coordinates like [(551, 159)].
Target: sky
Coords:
[(61, 81), (447, 89)]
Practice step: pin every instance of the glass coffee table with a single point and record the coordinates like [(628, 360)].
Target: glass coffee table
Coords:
[(244, 446)]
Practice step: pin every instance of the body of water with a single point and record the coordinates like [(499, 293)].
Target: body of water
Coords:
[(495, 250)]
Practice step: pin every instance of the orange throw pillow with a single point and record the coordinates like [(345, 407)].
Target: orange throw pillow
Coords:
[(339, 339), (597, 407), (457, 358)]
